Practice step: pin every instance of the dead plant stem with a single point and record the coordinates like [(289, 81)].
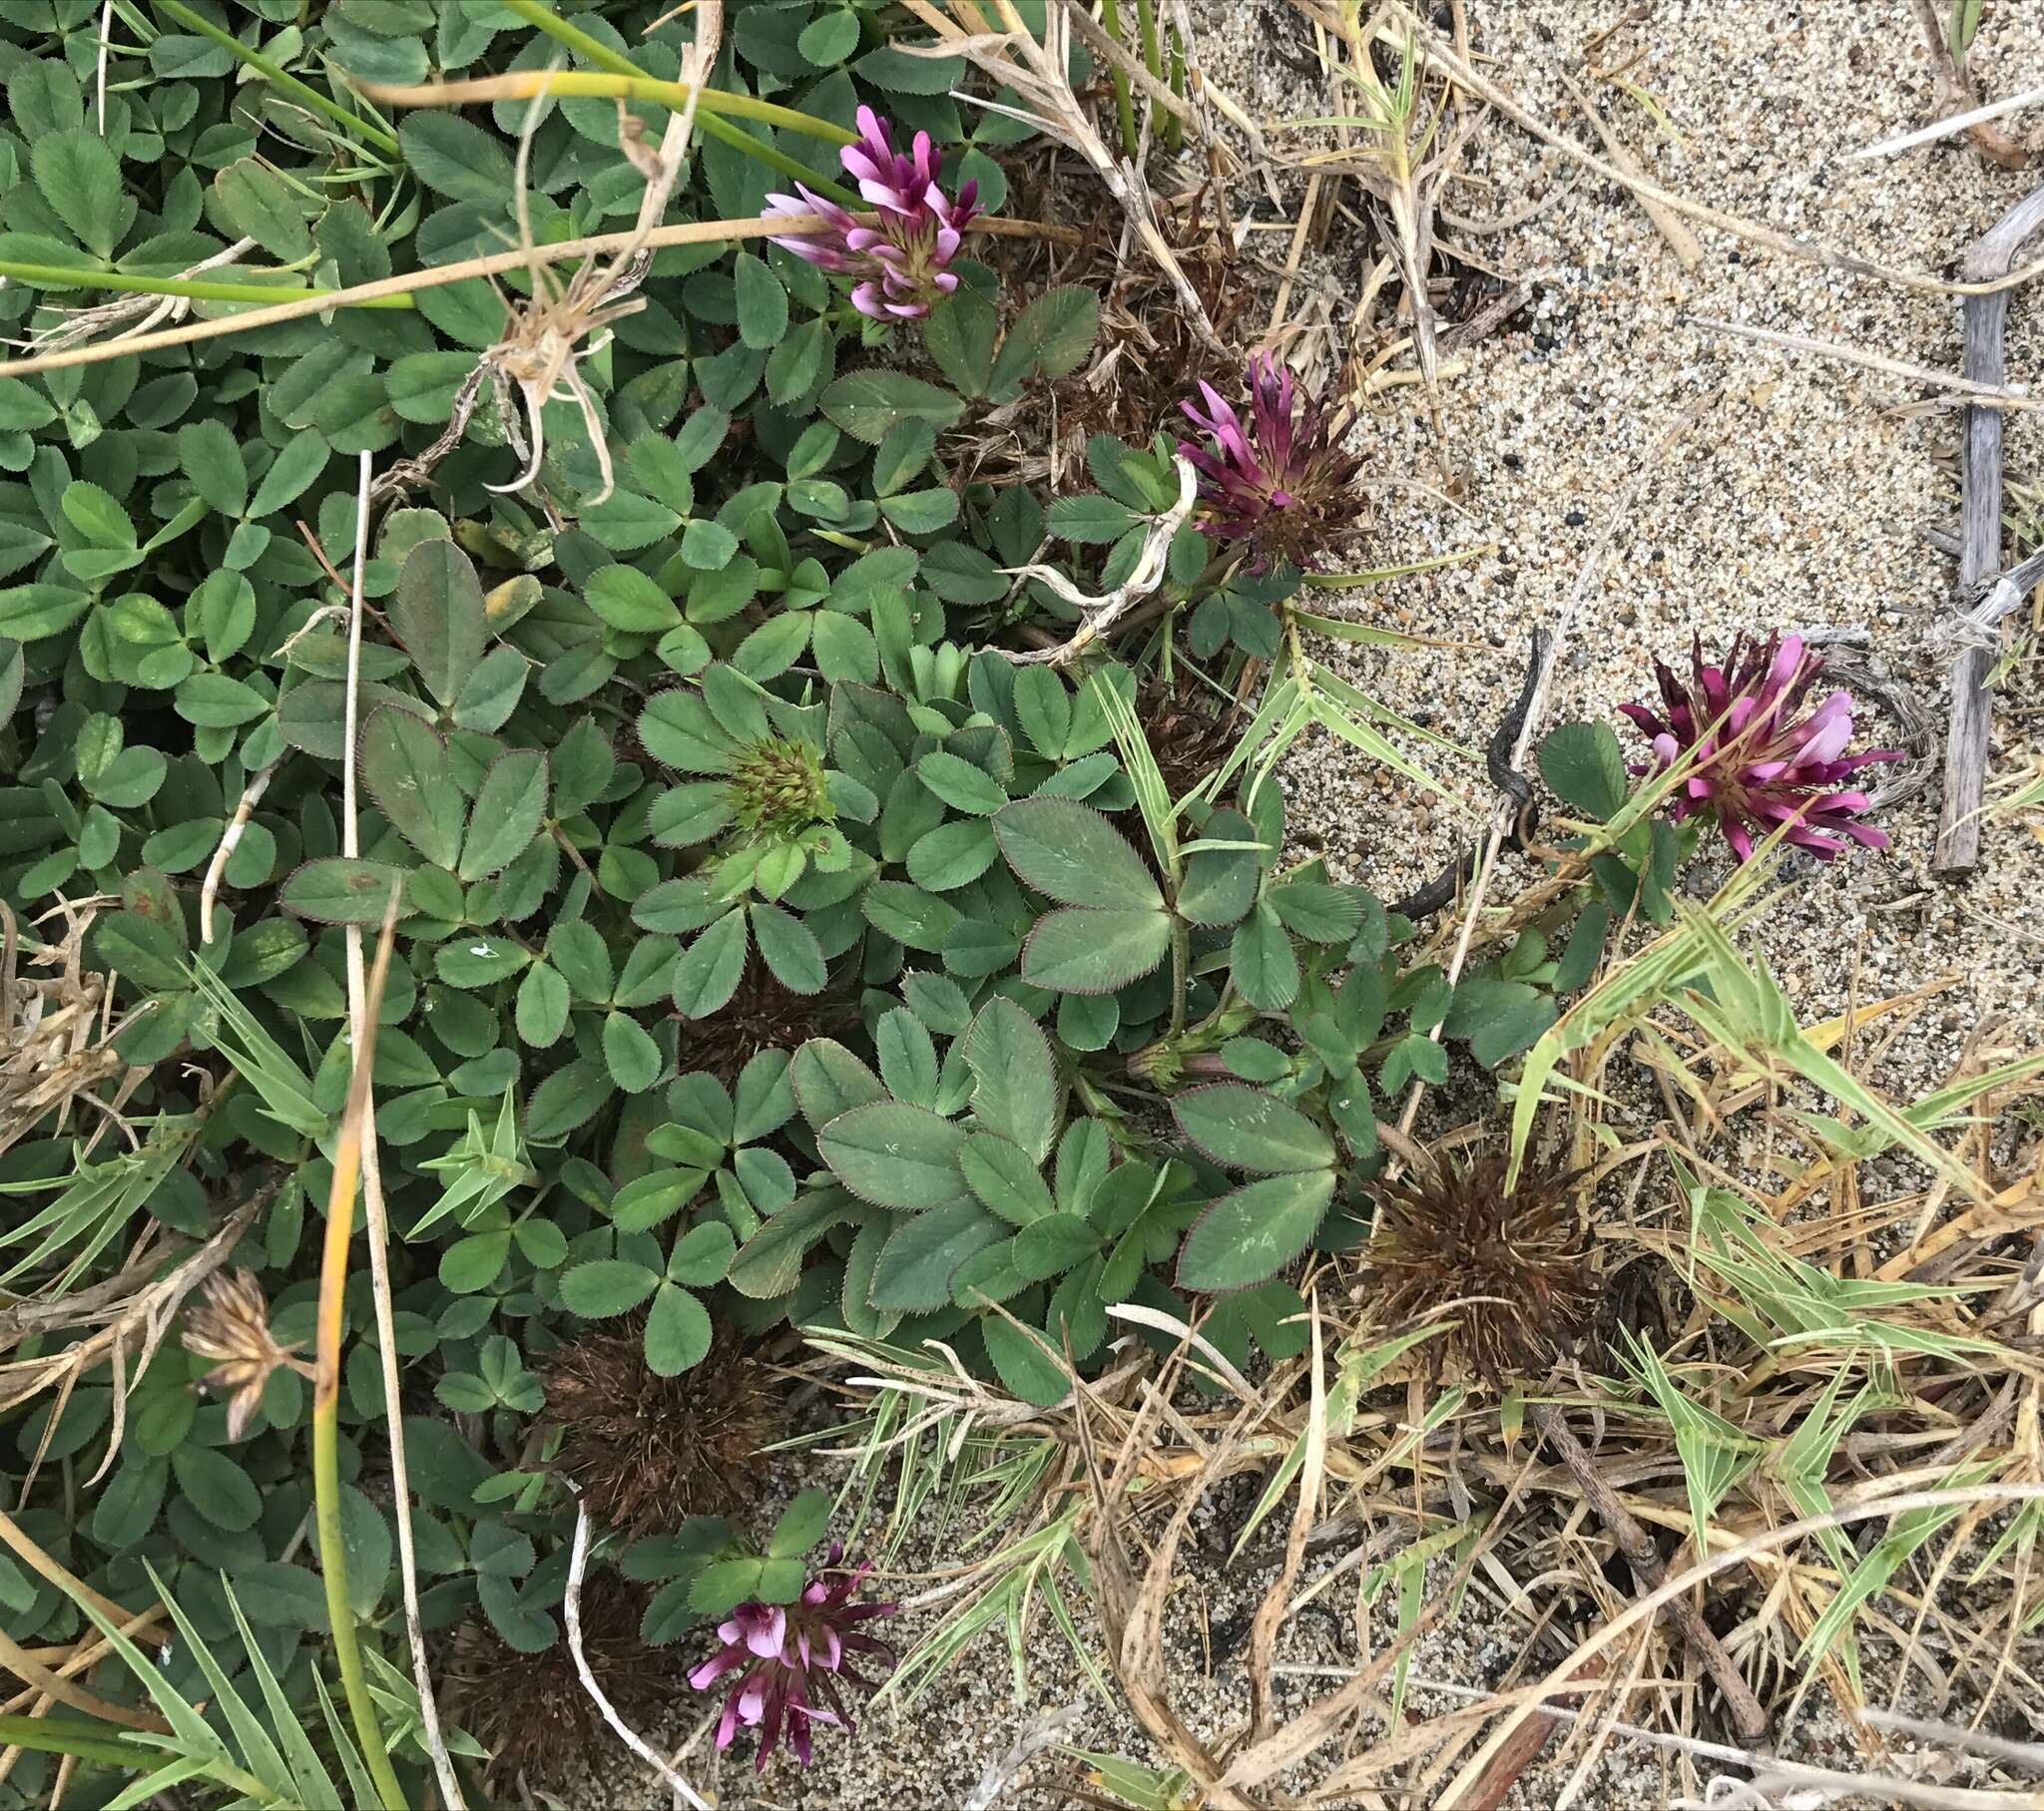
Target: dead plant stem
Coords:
[(679, 233), (1747, 1718), (1808, 251), (360, 1036)]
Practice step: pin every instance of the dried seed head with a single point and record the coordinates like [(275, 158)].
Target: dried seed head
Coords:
[(1512, 1268), (777, 788), (530, 1710), (763, 1014), (231, 1328), (647, 1452), (1186, 735)]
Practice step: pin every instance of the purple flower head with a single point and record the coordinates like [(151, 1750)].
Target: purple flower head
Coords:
[(901, 262), (1761, 759), (1281, 481), (789, 1656)]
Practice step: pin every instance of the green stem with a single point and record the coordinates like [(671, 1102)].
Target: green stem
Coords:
[(354, 1681), (1124, 100), (739, 139), (1174, 126), (709, 105), (1180, 960), (271, 72), (340, 1615), (59, 276), (1146, 24)]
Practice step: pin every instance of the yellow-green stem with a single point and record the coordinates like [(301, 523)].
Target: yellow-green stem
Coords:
[(340, 1212), (62, 276), (1146, 26), (638, 86), (283, 79), (1174, 126), (1124, 100), (597, 52)]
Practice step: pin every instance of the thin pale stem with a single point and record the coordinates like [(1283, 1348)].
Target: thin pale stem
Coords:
[(289, 84), (522, 84), (377, 1222), (62, 276), (677, 232), (1181, 962), (596, 51)]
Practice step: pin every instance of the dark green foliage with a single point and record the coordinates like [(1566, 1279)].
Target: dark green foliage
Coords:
[(770, 950)]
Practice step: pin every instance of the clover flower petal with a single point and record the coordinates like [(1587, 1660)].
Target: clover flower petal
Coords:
[(899, 261), (793, 1660), (1761, 760), (1279, 480)]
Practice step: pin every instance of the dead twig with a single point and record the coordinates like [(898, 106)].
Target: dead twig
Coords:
[(1102, 613), (252, 793), (1749, 1720), (1687, 249), (1958, 388), (1981, 486), (1957, 123), (571, 1613), (1044, 1732), (1955, 91)]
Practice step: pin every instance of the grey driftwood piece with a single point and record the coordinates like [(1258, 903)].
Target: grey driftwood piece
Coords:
[(1991, 255)]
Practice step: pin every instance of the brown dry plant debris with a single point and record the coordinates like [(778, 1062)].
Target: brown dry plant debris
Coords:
[(647, 1452), (1876, 1405), (529, 1710), (56, 1029), (761, 1013), (1512, 1269), (1188, 731), (1151, 357)]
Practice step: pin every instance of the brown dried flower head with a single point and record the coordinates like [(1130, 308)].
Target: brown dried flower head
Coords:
[(530, 1710), (231, 1328), (647, 1452), (1513, 1268), (1187, 736), (762, 1014)]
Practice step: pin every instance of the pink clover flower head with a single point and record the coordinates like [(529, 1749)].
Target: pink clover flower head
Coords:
[(900, 262), (1762, 759), (791, 1662), (1280, 479)]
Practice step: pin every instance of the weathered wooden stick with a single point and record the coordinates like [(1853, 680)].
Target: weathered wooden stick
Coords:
[(1749, 1720), (1965, 756)]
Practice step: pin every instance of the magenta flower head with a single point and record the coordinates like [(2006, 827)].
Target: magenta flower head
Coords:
[(1761, 759), (788, 1657), (901, 264), (1282, 480)]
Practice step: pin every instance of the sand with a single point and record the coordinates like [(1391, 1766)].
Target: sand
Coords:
[(1799, 499)]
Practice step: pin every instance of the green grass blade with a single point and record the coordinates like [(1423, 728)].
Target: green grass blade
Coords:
[(302, 91)]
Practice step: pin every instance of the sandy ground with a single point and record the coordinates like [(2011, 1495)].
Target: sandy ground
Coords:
[(1798, 499)]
